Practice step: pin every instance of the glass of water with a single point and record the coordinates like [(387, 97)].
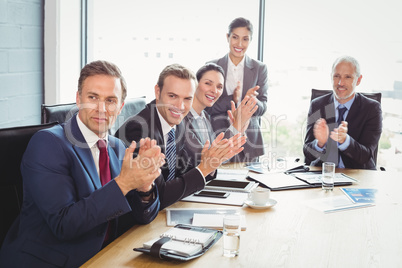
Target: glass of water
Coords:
[(328, 174), (231, 235)]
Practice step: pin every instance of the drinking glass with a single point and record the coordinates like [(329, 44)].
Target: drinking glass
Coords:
[(328, 173), (231, 235)]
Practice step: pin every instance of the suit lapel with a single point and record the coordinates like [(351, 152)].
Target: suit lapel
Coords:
[(211, 132), (223, 62), (194, 126), (157, 131), (249, 75), (354, 116), (353, 113), (82, 150), (113, 159), (328, 111), (180, 137)]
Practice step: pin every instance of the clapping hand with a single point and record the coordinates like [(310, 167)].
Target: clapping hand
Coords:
[(140, 172), (237, 93), (339, 134), (252, 92), (240, 117), (321, 132), (221, 150)]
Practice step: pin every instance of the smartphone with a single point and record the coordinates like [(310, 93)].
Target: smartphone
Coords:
[(212, 194)]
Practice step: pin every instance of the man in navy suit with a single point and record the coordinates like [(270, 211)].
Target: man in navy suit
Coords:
[(343, 127), (67, 215), (173, 99)]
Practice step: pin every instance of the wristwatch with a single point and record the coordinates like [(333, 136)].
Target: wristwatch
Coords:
[(145, 194)]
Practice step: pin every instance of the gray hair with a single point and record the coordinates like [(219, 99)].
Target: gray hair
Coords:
[(349, 59)]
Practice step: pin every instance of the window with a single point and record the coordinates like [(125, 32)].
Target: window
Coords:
[(142, 37), (303, 39), (62, 50)]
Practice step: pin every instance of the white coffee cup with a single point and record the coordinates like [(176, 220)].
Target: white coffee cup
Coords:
[(259, 196)]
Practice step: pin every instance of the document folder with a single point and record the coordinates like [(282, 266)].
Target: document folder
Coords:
[(286, 181), (183, 251)]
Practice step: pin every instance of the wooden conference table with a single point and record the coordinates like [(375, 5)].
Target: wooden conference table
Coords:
[(291, 234)]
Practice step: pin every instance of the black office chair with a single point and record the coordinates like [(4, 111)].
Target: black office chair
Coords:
[(13, 142), (57, 112), (319, 92), (315, 93), (131, 107), (62, 112)]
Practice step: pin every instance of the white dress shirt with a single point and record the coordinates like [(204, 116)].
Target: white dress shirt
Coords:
[(165, 131), (91, 139), (234, 74), (165, 127)]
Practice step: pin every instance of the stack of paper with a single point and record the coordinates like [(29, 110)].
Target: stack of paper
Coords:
[(214, 221), (231, 174), (335, 203)]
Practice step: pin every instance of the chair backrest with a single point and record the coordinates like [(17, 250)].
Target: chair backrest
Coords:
[(57, 112), (62, 112), (319, 92), (131, 107), (13, 142)]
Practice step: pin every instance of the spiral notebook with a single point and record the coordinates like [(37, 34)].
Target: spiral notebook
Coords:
[(182, 242)]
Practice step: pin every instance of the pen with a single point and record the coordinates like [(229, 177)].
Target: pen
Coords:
[(297, 169)]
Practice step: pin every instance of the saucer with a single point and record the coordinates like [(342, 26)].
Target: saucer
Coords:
[(270, 203)]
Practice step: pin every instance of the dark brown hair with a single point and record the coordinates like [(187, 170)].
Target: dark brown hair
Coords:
[(209, 67), (240, 22), (101, 67), (176, 70)]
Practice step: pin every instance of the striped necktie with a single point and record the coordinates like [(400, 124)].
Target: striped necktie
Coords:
[(341, 111), (171, 154)]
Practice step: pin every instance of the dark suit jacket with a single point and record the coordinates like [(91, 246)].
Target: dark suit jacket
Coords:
[(187, 180), (65, 211), (364, 128), (255, 73)]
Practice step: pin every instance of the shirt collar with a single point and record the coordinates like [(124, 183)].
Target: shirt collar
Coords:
[(347, 104), (90, 137), (165, 126), (196, 115), (239, 66)]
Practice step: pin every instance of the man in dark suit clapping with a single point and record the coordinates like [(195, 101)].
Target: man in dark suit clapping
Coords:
[(343, 127), (163, 116)]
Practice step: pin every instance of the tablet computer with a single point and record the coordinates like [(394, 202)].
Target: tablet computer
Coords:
[(230, 185)]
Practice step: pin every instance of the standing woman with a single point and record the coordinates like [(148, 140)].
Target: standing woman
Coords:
[(244, 77), (197, 122)]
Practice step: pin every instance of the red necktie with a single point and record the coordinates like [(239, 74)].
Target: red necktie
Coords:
[(105, 177), (104, 168)]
